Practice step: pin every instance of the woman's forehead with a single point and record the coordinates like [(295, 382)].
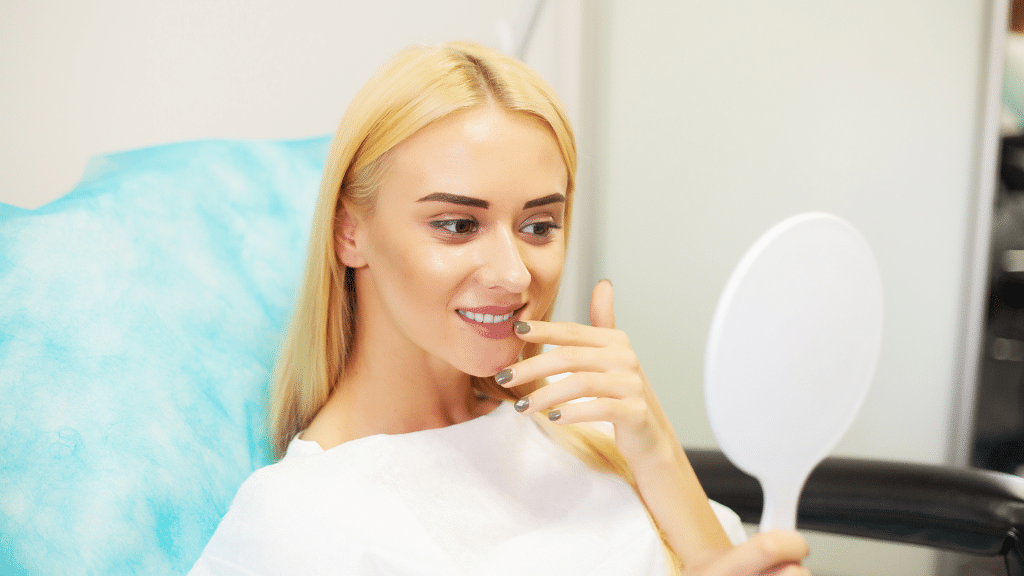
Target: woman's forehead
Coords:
[(480, 151)]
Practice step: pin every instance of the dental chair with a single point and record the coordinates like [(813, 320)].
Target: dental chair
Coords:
[(140, 315), (968, 511)]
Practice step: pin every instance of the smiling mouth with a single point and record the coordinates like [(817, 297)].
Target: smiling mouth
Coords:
[(489, 318)]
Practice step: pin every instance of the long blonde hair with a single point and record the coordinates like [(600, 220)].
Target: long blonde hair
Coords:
[(419, 86)]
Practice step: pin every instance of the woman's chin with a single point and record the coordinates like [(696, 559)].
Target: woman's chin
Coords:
[(486, 371), (485, 366)]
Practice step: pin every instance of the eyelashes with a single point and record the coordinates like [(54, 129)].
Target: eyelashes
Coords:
[(457, 227), (542, 229), (464, 227)]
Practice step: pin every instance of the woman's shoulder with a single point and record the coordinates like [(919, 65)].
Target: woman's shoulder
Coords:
[(274, 497), (276, 520), (267, 484), (299, 479)]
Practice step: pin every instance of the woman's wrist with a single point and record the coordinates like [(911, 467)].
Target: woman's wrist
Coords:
[(677, 503), (658, 460)]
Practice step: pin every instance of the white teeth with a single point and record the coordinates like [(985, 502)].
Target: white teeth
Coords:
[(486, 318)]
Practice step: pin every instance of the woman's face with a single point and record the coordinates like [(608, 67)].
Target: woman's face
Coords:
[(466, 238)]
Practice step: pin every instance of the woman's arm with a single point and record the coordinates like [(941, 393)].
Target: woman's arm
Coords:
[(606, 369)]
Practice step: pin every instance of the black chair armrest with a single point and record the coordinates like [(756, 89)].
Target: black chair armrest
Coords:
[(965, 510)]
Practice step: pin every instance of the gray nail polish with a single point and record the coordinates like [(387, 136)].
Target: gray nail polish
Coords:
[(554, 415), (522, 404), (521, 327), (503, 376)]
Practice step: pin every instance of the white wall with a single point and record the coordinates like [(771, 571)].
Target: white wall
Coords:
[(721, 118), (82, 78)]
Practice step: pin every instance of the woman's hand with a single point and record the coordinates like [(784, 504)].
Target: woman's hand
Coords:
[(607, 379), (776, 553), (605, 369)]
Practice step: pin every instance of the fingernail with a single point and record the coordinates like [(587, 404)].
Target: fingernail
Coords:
[(504, 376), (554, 415), (522, 327), (606, 280), (522, 404)]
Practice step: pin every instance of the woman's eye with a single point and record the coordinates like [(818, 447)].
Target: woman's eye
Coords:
[(460, 226), (541, 229)]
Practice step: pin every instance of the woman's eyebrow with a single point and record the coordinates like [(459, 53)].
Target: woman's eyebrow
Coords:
[(455, 199), (478, 203), (549, 199)]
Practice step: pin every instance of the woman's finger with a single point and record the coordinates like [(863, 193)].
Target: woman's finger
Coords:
[(564, 333), (602, 305), (566, 359), (791, 569), (580, 385), (597, 410)]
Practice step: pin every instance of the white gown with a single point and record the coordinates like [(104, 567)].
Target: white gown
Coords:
[(492, 495)]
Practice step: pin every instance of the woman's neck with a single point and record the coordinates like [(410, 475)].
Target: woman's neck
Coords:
[(394, 389)]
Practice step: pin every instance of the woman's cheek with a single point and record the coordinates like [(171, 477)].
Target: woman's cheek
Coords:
[(548, 274), (431, 265)]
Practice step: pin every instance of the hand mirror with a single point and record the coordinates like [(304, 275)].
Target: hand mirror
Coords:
[(791, 352)]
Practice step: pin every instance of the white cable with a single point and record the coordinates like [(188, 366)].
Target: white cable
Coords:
[(515, 37)]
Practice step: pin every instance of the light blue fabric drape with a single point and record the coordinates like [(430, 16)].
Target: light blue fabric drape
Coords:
[(140, 316)]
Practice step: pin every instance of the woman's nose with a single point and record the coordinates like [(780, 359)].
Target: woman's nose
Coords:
[(502, 264)]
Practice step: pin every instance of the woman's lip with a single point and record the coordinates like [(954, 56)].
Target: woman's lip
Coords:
[(495, 310), (494, 330)]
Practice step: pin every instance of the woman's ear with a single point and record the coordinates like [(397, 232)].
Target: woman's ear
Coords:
[(348, 246)]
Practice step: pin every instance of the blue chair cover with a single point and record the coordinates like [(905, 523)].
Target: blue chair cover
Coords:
[(140, 317)]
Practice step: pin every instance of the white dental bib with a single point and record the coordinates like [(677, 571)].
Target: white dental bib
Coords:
[(492, 495)]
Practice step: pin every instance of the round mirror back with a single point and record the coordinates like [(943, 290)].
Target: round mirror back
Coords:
[(793, 346)]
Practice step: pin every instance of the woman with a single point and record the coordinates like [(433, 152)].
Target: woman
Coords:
[(434, 260)]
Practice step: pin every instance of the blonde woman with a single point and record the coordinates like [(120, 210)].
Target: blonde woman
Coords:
[(409, 408)]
